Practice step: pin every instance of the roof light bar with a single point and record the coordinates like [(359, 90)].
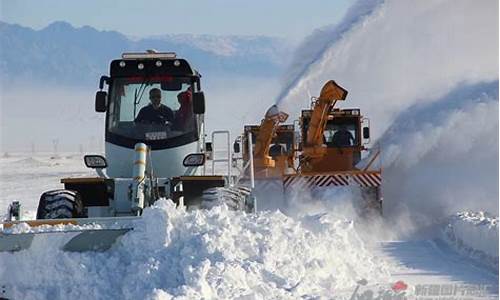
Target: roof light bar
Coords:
[(149, 55)]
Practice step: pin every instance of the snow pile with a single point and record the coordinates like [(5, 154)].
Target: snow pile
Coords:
[(216, 254), (475, 233)]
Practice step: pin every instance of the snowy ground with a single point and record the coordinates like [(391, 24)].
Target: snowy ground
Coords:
[(220, 254), (437, 119), (24, 177)]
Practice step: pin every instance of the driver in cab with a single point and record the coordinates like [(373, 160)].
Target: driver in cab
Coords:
[(155, 112)]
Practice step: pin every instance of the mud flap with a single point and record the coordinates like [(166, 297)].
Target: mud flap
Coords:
[(72, 241)]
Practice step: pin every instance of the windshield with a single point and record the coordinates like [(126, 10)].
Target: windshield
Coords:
[(339, 133), (152, 108)]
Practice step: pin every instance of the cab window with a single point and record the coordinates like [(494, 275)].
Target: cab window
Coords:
[(341, 133), (153, 108)]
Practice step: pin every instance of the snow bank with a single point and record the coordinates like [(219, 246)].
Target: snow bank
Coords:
[(216, 254), (476, 234)]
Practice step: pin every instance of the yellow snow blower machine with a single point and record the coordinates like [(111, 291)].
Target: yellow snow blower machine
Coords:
[(322, 151)]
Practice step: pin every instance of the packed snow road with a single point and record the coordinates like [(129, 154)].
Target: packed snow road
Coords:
[(219, 254), (425, 264)]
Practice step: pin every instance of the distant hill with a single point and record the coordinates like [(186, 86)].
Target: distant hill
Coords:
[(61, 53)]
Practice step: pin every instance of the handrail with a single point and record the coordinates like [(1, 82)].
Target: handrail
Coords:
[(228, 159)]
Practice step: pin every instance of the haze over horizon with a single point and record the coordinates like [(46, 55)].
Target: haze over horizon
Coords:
[(291, 20)]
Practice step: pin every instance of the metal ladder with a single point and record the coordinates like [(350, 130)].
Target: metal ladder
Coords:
[(214, 156)]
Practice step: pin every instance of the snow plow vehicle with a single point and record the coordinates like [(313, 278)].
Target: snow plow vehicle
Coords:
[(154, 148), (322, 151)]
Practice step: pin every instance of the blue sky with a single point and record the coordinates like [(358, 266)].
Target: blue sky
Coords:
[(289, 19)]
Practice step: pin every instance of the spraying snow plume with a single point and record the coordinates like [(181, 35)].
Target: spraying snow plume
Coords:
[(399, 54), (313, 47), (442, 157), (426, 73)]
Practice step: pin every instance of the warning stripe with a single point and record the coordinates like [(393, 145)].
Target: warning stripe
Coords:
[(377, 178), (361, 179), (370, 180), (289, 180), (334, 181), (140, 162), (367, 180), (311, 181), (343, 179), (322, 181)]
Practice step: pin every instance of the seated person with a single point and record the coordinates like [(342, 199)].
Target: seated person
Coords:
[(184, 116), (343, 137), (155, 112)]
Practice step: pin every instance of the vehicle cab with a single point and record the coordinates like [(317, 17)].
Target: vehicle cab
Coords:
[(282, 150), (153, 98), (344, 138)]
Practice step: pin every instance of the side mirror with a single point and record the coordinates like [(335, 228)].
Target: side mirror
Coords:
[(198, 103), (366, 132), (104, 79), (95, 161), (100, 101), (236, 147), (194, 160)]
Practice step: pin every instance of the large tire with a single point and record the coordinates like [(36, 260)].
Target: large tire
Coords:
[(235, 197), (60, 204)]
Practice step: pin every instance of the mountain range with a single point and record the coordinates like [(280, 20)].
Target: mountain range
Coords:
[(63, 54)]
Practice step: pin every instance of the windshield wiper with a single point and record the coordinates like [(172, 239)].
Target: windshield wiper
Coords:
[(139, 92)]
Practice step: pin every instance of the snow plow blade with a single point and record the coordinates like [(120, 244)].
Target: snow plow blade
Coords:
[(94, 240), (79, 241), (70, 240)]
